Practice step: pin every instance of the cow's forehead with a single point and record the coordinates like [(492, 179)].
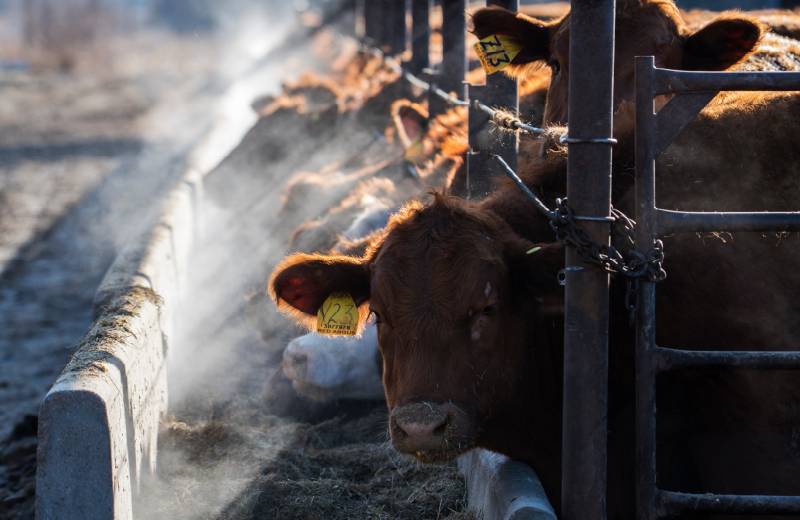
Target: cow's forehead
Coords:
[(449, 276), (653, 22)]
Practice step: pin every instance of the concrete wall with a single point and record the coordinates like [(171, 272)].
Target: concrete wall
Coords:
[(98, 425)]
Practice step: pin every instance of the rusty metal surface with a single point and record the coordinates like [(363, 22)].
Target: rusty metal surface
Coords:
[(584, 439)]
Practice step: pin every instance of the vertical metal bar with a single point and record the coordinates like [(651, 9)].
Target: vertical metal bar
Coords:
[(478, 178), (501, 91), (372, 21), (420, 35), (585, 435), (454, 57), (395, 21), (646, 301)]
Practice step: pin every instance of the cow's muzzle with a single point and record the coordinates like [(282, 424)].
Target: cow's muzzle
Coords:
[(432, 432)]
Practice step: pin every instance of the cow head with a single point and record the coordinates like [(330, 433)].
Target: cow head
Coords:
[(454, 292), (643, 28)]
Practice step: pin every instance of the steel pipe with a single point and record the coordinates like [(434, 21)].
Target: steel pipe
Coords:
[(585, 406)]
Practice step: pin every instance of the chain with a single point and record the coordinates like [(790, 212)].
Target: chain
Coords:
[(633, 264), (500, 118)]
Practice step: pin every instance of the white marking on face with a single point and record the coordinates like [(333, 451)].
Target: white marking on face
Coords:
[(488, 290), (335, 367)]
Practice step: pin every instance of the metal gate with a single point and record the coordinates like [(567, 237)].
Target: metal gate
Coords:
[(654, 132)]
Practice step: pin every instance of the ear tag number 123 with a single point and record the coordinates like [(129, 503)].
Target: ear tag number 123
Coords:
[(496, 52), (338, 316)]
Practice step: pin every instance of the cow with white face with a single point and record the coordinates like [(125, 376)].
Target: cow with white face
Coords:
[(326, 368)]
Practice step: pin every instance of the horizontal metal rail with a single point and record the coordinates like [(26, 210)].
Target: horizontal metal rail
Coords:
[(669, 81), (669, 221), (671, 504), (671, 358)]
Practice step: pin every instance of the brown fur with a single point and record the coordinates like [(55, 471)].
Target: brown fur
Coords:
[(649, 27), (426, 273)]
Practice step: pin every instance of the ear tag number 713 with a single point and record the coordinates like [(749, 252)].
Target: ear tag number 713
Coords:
[(496, 52)]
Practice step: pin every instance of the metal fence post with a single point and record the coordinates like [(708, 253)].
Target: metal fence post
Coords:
[(645, 328), (450, 76), (395, 26), (478, 178), (420, 35), (500, 91), (585, 430), (373, 26)]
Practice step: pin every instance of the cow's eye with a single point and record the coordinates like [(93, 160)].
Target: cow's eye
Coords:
[(555, 66), (489, 310)]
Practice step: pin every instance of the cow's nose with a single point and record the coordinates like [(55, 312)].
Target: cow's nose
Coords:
[(420, 425), (295, 364)]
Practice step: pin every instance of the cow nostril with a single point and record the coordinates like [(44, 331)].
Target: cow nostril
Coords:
[(420, 429), (298, 359), (397, 431), (295, 364)]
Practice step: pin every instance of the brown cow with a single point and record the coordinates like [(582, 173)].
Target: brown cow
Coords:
[(646, 27), (470, 324)]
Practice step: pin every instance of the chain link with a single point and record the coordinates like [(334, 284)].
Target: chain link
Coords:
[(633, 264)]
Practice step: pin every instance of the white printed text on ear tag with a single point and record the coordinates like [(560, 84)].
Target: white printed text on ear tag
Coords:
[(496, 52), (338, 315)]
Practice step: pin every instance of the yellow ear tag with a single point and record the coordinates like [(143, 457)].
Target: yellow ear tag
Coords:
[(338, 315), (415, 153), (496, 52)]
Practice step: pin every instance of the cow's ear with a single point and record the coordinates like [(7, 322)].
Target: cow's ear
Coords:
[(722, 43), (530, 34), (410, 121), (301, 283)]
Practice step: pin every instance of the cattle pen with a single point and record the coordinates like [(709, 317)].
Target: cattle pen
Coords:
[(589, 191), (116, 418)]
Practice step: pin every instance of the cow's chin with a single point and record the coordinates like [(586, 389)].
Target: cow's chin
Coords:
[(441, 456)]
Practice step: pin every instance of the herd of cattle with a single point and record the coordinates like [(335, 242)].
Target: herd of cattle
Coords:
[(459, 308)]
